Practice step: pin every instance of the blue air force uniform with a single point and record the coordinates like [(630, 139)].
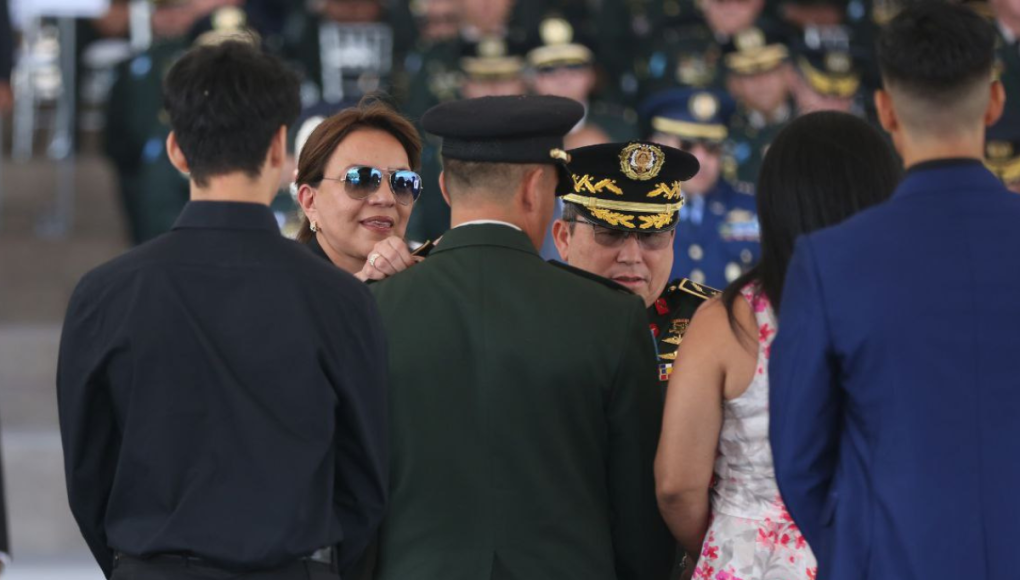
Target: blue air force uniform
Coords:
[(717, 232), (717, 239)]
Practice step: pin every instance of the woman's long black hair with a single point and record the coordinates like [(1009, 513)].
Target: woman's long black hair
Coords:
[(821, 169)]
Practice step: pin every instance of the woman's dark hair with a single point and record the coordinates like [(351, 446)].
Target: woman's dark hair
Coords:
[(821, 169), (226, 102), (370, 113)]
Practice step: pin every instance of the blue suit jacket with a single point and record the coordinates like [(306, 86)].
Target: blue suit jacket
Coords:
[(895, 384)]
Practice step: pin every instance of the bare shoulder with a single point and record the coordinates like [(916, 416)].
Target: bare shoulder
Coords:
[(713, 326)]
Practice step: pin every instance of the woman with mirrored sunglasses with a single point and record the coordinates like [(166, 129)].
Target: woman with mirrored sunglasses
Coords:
[(356, 183)]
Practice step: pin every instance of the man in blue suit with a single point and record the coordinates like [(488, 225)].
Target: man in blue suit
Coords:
[(895, 376)]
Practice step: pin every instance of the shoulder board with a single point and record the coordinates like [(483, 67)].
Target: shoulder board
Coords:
[(594, 277), (699, 290)]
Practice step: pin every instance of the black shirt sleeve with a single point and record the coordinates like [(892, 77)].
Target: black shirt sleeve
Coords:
[(88, 427), (362, 430)]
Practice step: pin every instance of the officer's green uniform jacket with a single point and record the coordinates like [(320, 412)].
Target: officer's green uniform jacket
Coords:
[(669, 318), (748, 144), (524, 415)]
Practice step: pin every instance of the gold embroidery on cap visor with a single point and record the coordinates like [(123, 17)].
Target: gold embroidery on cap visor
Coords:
[(587, 183), (492, 68), (640, 161), (843, 86), (667, 190), (657, 215), (757, 61), (560, 55)]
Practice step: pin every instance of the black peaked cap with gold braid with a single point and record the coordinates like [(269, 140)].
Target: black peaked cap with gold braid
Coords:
[(629, 186)]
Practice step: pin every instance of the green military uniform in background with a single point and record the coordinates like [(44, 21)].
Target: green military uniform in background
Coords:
[(560, 52), (689, 55), (490, 59), (754, 52), (153, 192), (629, 37), (750, 136)]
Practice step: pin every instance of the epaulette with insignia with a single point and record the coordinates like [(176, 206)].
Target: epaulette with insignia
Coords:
[(699, 290), (670, 316), (595, 277)]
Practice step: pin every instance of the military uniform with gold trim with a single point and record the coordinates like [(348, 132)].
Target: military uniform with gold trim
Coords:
[(1002, 153), (637, 187), (753, 52), (670, 316)]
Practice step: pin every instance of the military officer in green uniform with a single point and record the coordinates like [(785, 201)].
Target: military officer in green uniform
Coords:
[(431, 69), (152, 192), (826, 80), (563, 67), (757, 61), (517, 450), (619, 221), (690, 51)]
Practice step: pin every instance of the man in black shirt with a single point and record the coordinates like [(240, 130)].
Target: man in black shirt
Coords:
[(221, 389)]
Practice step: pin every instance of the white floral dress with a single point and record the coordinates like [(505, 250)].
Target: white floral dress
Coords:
[(751, 536)]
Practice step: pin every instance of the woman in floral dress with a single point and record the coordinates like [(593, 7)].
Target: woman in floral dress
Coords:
[(714, 474)]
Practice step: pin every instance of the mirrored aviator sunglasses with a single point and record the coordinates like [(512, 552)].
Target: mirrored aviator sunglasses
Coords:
[(362, 181)]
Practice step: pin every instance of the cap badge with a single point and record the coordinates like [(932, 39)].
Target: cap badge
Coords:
[(229, 18), (491, 47), (750, 39), (640, 161), (556, 31), (999, 150), (704, 106), (838, 62)]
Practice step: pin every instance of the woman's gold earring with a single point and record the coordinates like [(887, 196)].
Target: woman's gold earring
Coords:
[(314, 227)]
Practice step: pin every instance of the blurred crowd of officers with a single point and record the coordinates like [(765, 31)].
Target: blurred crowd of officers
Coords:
[(717, 78)]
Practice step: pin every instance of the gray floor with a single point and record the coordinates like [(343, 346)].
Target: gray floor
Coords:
[(36, 279)]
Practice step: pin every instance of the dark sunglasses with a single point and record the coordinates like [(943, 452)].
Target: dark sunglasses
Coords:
[(610, 238), (362, 181)]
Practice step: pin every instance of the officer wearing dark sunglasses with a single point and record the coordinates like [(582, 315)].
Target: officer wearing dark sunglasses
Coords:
[(524, 411), (717, 239), (621, 209)]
